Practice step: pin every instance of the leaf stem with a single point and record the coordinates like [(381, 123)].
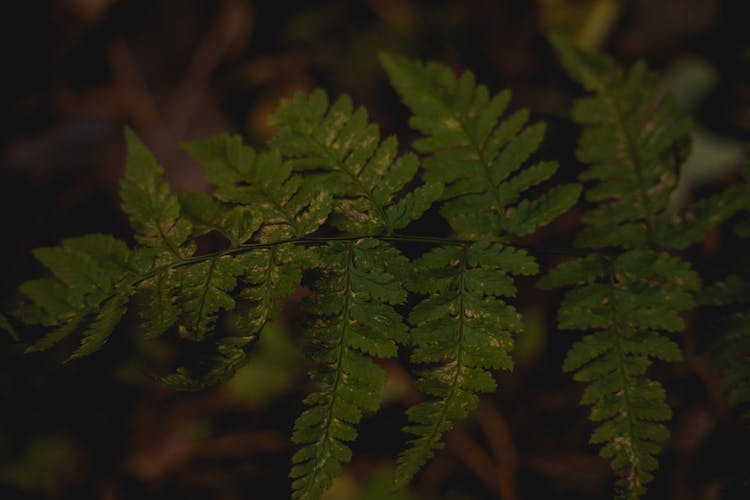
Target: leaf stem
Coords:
[(315, 240)]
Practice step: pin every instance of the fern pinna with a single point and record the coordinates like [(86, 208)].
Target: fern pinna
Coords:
[(328, 204), (633, 291)]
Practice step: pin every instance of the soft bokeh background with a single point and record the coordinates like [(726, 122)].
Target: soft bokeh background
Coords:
[(74, 72)]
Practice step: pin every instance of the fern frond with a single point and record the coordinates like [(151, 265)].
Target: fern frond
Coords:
[(475, 154), (354, 321), (463, 328), (90, 291), (156, 298), (631, 142), (268, 276), (153, 211), (264, 186), (631, 139), (626, 301), (96, 275), (102, 325), (205, 290), (363, 172), (237, 223)]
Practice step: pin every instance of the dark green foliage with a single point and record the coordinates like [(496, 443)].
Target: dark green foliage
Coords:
[(362, 172), (284, 204), (630, 141), (324, 206), (204, 292), (352, 320), (153, 210), (265, 276), (463, 329), (475, 154), (633, 141), (156, 300), (89, 293), (237, 223), (626, 301)]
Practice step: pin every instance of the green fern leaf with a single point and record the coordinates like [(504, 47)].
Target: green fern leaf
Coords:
[(465, 327), (475, 154), (267, 275), (688, 227), (153, 211), (102, 325), (91, 291), (205, 290), (226, 161), (264, 186), (207, 214), (156, 301), (77, 269), (578, 272), (643, 292), (111, 254), (629, 139), (626, 303), (90, 266), (364, 173), (47, 302), (63, 329), (355, 321), (282, 212)]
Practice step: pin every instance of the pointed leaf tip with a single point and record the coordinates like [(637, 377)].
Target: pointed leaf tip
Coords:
[(6, 326)]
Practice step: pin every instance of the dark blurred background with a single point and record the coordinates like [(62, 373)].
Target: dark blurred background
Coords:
[(76, 71)]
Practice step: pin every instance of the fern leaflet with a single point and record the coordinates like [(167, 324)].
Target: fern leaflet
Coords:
[(364, 173), (6, 326), (286, 205), (464, 328), (90, 291), (629, 139), (354, 320), (267, 275), (626, 301), (475, 154), (153, 211)]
